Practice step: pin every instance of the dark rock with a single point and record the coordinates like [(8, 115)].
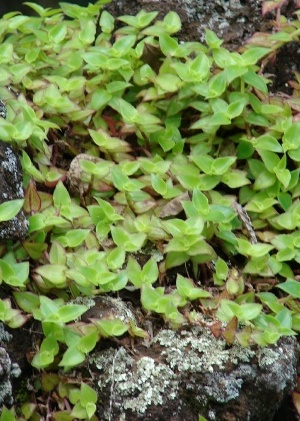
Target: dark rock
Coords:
[(186, 374), (8, 371), (11, 187), (3, 110), (235, 21), (232, 20)]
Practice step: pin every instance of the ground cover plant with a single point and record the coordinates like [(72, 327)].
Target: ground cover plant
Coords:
[(155, 170)]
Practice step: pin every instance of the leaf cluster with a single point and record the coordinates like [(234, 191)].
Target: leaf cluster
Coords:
[(134, 142)]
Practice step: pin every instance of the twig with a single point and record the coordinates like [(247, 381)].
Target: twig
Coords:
[(246, 221)]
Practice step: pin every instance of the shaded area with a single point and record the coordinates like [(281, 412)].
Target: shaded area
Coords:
[(7, 6), (282, 68)]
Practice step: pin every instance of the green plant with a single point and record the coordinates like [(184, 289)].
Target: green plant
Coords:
[(134, 144)]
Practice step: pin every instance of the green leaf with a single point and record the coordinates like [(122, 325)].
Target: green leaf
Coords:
[(145, 18), (291, 287), (109, 328), (168, 82), (116, 258), (61, 196), (78, 411), (267, 142), (296, 322), (217, 85), (221, 165), (172, 22), (108, 210), (88, 342), (260, 205), (223, 58), (243, 312), (72, 357), (130, 20), (253, 54), (253, 250), (159, 184), (199, 68), (270, 159), (100, 97), (233, 72), (74, 238), (149, 272), (57, 254), (130, 242), (134, 272), (285, 200), (256, 119), (150, 298), (58, 32), (235, 179), (95, 59), (7, 414), (271, 109), (70, 312), (256, 81), (6, 52), (168, 45), (47, 308), (122, 46), (211, 39), (45, 356), (236, 108), (155, 300), (285, 318), (88, 31), (54, 274), (123, 183), (187, 289), (221, 271), (10, 209), (26, 300), (291, 139), (127, 111), (87, 395)]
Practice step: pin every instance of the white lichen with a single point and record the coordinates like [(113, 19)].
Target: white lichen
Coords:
[(136, 387), (193, 352), (193, 362), (11, 165), (86, 301)]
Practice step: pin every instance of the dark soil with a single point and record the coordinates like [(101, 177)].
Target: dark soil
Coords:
[(282, 69)]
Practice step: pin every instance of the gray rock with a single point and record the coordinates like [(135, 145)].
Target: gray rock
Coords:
[(190, 373), (232, 20), (8, 371), (11, 187)]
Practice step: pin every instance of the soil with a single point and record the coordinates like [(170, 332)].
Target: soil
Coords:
[(235, 21), (283, 68)]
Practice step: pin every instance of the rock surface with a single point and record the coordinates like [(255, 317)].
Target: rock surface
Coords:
[(8, 371), (186, 374), (11, 187), (233, 20)]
